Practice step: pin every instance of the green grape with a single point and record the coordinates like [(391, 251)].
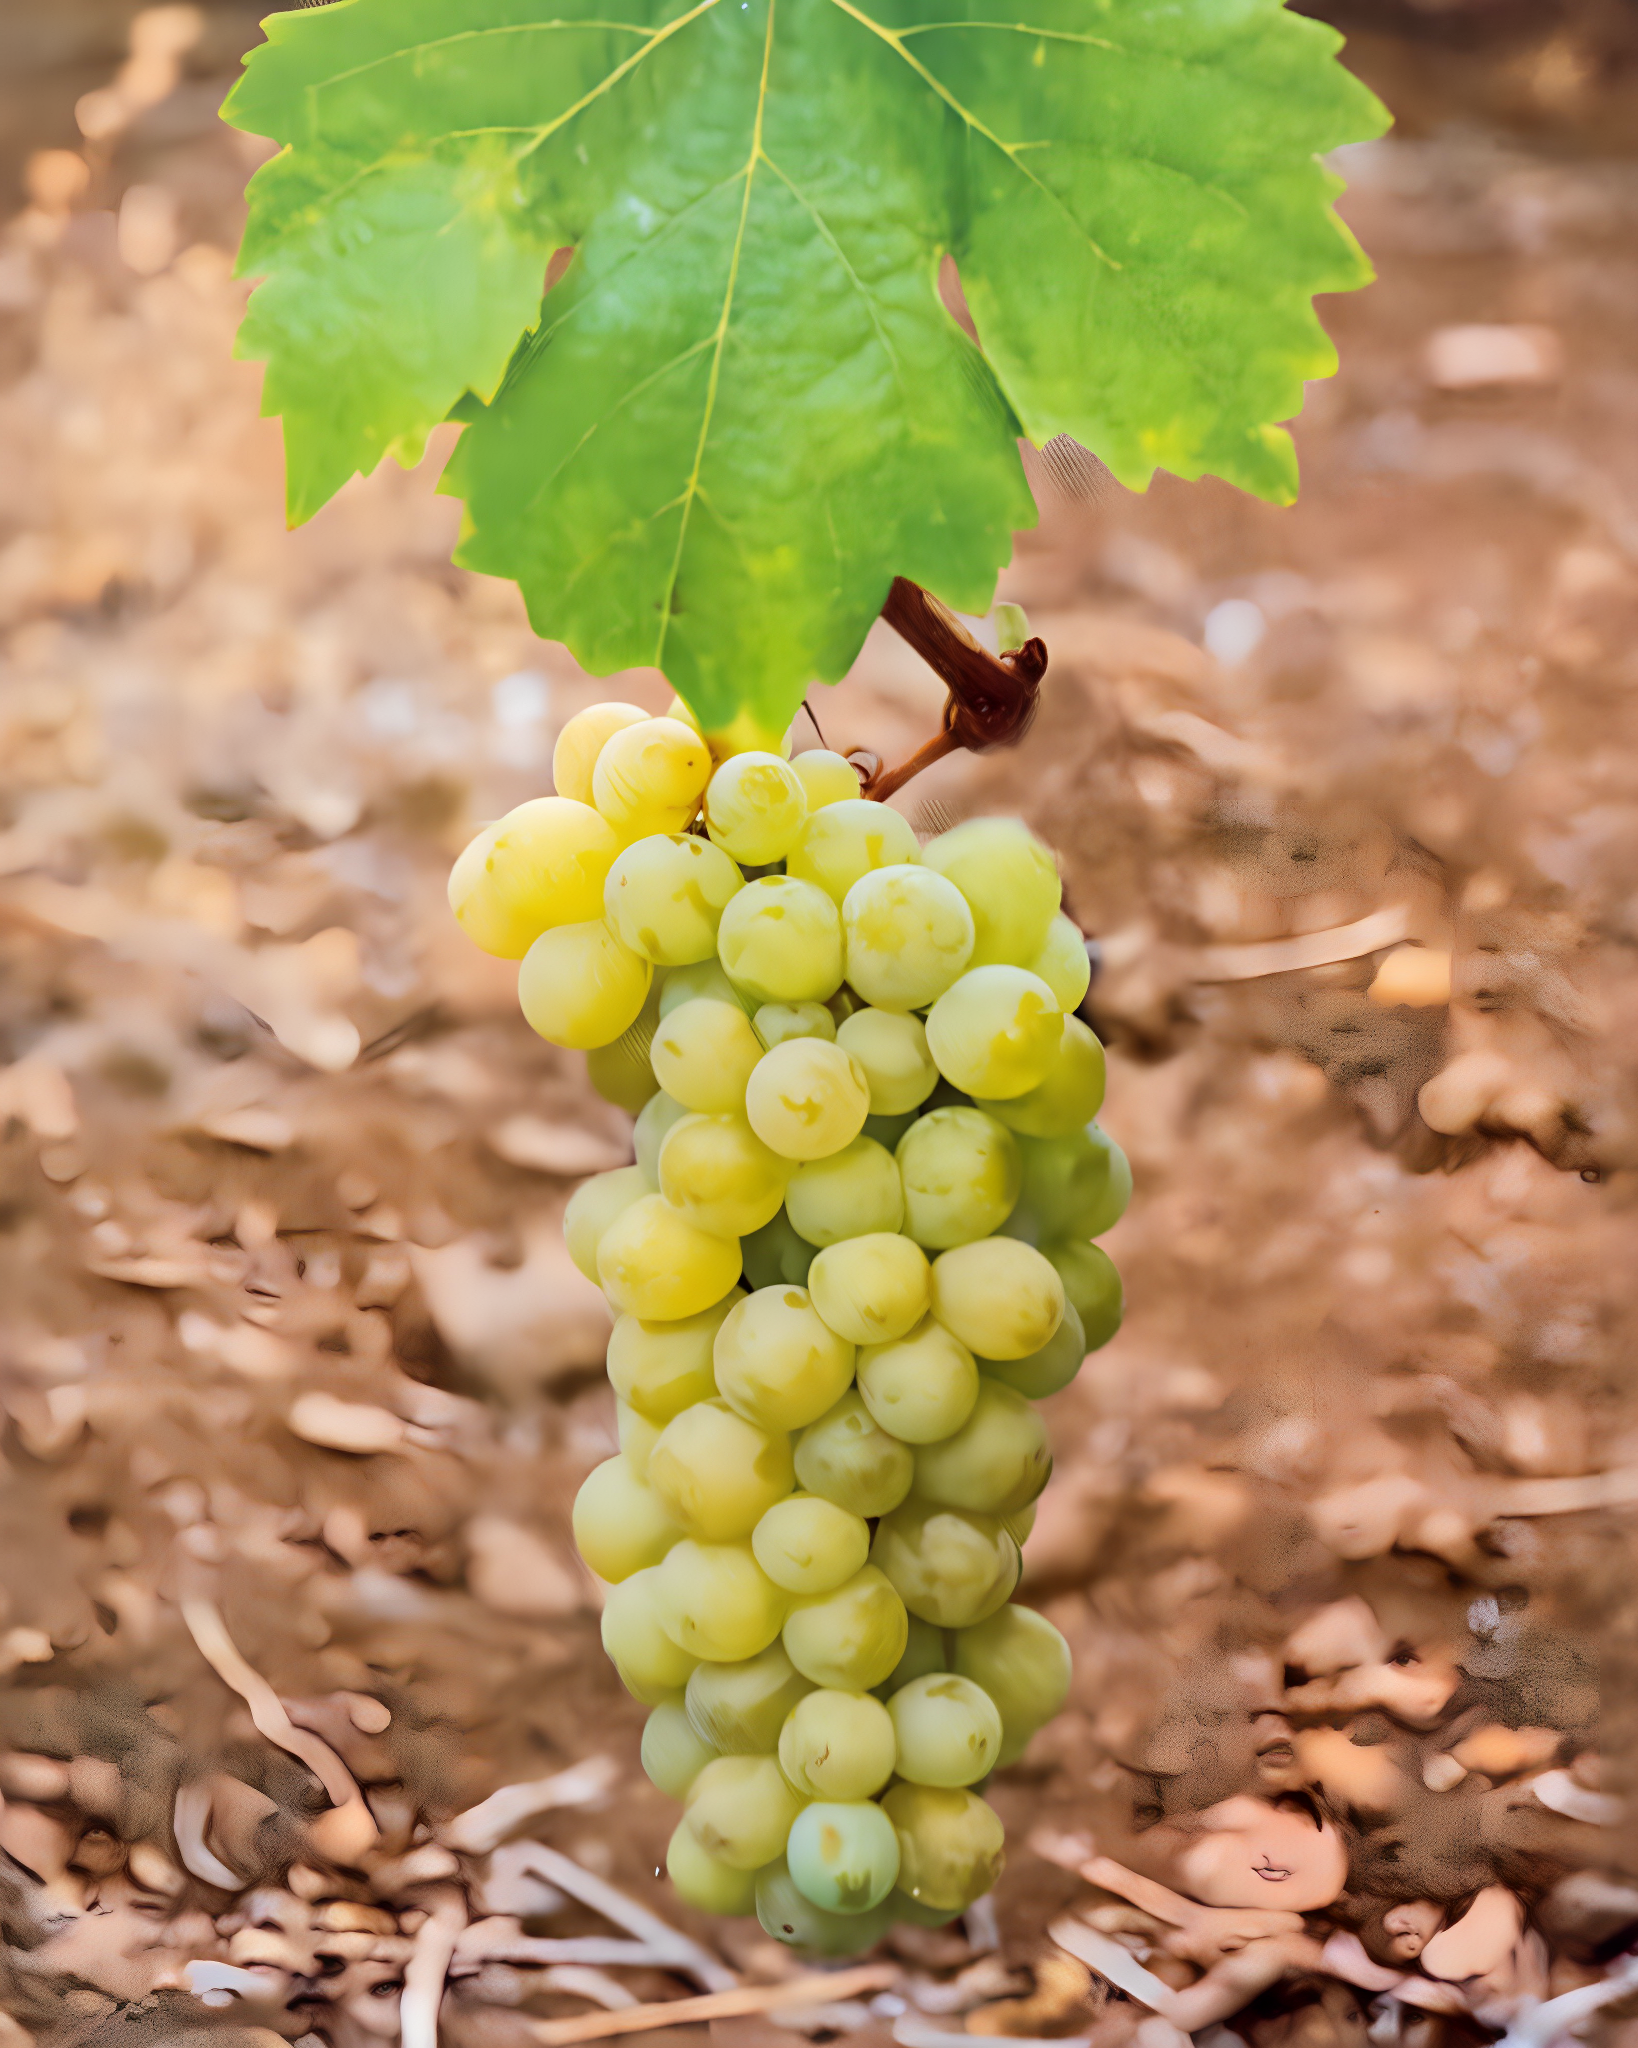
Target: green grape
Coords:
[(755, 807), (715, 1601), (621, 1073), (1003, 1299), (872, 1288), (807, 1544), (775, 1022), (799, 1923), (1075, 1186), (1091, 1282), (775, 1256), (947, 1730), (650, 777), (654, 1121), (950, 1844), (947, 1565), (580, 986), (1068, 1095), (1022, 1662), (651, 1666), (921, 1386), (739, 1709), (849, 839), (718, 1172), (892, 1049), (781, 940), (1019, 1522), (665, 897), (837, 1745), (995, 1033), (593, 1207), (909, 934), (1048, 1370), (663, 1368), (849, 1639), (828, 778), (689, 984), (620, 1525), (637, 1437), (541, 865), (847, 1457), (924, 1653), (673, 1755), (740, 1810), (854, 1193), (703, 1880), (843, 1855), (961, 1176), (703, 1053), (777, 1362), (1010, 881), (653, 1262), (717, 1474), (997, 1461), (807, 1098), (581, 741), (887, 1130), (1063, 963)]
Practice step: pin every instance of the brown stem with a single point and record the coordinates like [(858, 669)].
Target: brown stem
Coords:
[(885, 781)]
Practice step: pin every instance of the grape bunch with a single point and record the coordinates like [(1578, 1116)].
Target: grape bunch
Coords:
[(855, 1247)]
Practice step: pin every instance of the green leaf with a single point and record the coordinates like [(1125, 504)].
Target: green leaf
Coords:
[(744, 408)]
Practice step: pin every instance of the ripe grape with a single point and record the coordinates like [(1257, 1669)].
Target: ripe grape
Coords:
[(680, 985), (755, 807), (651, 1261), (950, 1844), (849, 839), (849, 1639), (718, 1474), (715, 1601), (854, 1192), (718, 1172), (703, 1880), (777, 1362), (704, 1053), (892, 1049), (847, 1457), (620, 1524), (580, 985), (922, 1386), (1022, 1662), (1068, 1095), (1009, 880), (739, 1709), (807, 1544), (871, 1288), (961, 1176), (838, 1745), (807, 1098), (650, 777), (1003, 1299), (996, 1032), (947, 1565), (1043, 1372), (663, 1368), (791, 1918), (827, 778), (651, 1665), (1091, 1281), (673, 1754), (665, 897), (996, 1462), (843, 1855), (649, 1132), (637, 1437), (909, 934), (541, 865), (781, 941), (775, 1022), (593, 1207), (581, 741), (1063, 963), (740, 1810), (946, 1729), (1077, 1185)]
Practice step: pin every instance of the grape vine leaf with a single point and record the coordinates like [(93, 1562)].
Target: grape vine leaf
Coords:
[(744, 407)]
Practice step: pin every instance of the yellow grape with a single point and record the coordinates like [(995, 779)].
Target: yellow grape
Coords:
[(593, 1207), (1068, 1095), (854, 1191), (718, 1172), (837, 1745), (716, 1473), (716, 1601), (581, 741), (703, 1880), (740, 1708), (1003, 1299), (948, 1565), (871, 1289), (755, 805), (541, 865), (1043, 1372), (777, 1362), (807, 1544), (946, 1730), (637, 1436), (807, 1098), (846, 1456), (827, 778), (951, 1844), (663, 1368), (681, 985), (579, 985), (850, 1639), (781, 940), (848, 839), (997, 1461), (892, 1049), (650, 777), (922, 1386), (620, 1526), (996, 1032), (651, 1666), (652, 1262), (1009, 879), (653, 1126), (1063, 963), (704, 1054), (665, 896), (740, 1809), (908, 933), (961, 1176), (775, 1022)]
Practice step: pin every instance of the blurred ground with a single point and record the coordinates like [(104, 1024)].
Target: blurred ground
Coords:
[(1347, 793)]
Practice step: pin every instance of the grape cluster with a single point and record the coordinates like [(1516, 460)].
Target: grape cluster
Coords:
[(855, 1246)]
